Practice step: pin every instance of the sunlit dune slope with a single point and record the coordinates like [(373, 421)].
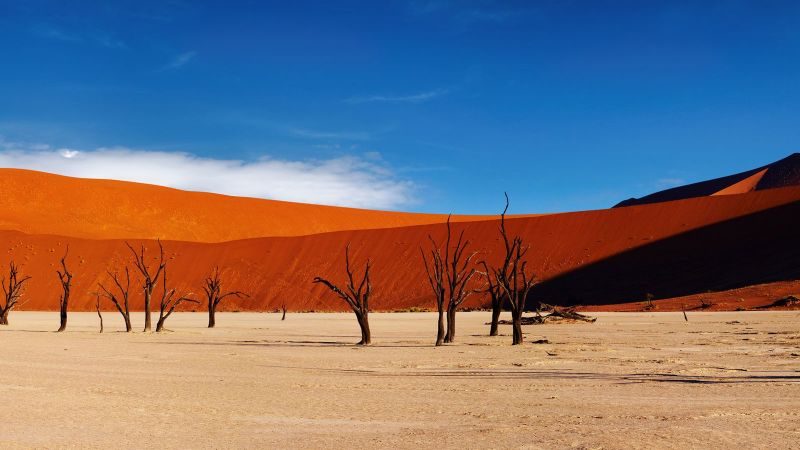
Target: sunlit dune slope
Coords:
[(42, 203), (279, 270)]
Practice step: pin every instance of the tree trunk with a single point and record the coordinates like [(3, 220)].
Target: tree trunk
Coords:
[(159, 325), (63, 316), (450, 337), (283, 317), (212, 311), (128, 327), (440, 332), (496, 309), (363, 323), (4, 317), (516, 322), (101, 320), (147, 294)]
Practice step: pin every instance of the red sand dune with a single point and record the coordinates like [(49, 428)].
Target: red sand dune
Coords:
[(42, 203), (274, 270)]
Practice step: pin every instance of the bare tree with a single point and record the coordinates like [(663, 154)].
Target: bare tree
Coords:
[(496, 296), (435, 271), (454, 275), (169, 301), (120, 300), (512, 276), (214, 295), (65, 278), (150, 277), (12, 291), (356, 298), (97, 308), (283, 309)]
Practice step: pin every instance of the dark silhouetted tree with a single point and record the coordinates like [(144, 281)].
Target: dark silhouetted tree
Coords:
[(357, 298), (496, 297), (449, 276), (120, 300), (214, 295), (65, 278), (512, 276), (97, 308), (149, 277), (169, 301), (12, 291), (435, 271)]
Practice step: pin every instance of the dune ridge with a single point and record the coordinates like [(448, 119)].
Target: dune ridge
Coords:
[(42, 203), (274, 270)]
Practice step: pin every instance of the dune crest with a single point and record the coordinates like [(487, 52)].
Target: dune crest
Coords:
[(42, 203)]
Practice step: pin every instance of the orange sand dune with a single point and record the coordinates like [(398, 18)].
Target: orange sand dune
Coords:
[(584, 245), (42, 203), (747, 185)]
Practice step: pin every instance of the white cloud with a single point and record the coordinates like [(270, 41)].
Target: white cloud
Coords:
[(412, 98), (362, 182)]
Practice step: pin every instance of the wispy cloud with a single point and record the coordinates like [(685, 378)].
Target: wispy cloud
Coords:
[(465, 11), (180, 60), (357, 181), (317, 134), (411, 98), (58, 34), (664, 183)]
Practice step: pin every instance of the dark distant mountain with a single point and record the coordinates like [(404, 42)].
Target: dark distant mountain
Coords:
[(785, 172)]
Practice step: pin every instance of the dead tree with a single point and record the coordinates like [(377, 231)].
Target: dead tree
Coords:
[(97, 308), (214, 295), (496, 296), (355, 297), (512, 276), (435, 271), (65, 278), (169, 301), (12, 291), (448, 277), (120, 300), (149, 277), (283, 309)]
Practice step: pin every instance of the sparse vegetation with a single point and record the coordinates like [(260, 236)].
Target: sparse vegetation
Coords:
[(513, 277), (12, 291), (214, 295), (120, 300), (65, 278), (449, 276), (170, 300), (357, 298), (97, 308), (648, 301), (149, 277)]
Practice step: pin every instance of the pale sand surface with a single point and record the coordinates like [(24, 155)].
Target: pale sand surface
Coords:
[(630, 380)]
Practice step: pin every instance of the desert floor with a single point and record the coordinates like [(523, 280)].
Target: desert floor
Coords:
[(629, 380)]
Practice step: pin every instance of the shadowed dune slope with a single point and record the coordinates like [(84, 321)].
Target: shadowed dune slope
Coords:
[(275, 270), (783, 173), (43, 203)]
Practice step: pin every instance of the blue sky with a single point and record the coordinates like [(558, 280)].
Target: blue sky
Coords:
[(412, 105)]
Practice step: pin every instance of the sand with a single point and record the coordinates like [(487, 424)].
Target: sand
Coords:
[(633, 380), (42, 203), (610, 256)]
